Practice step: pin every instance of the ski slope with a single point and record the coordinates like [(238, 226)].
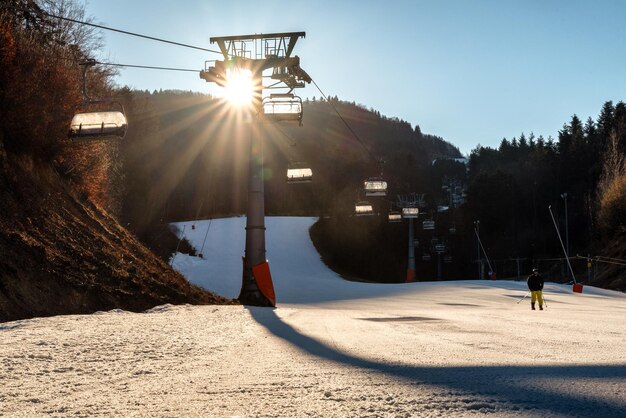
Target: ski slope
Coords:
[(331, 348)]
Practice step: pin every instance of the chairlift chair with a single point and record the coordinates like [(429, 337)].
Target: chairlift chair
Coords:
[(299, 173), (395, 217), (283, 107), (98, 123), (428, 225), (426, 257), (409, 213), (447, 259), (363, 208), (375, 187)]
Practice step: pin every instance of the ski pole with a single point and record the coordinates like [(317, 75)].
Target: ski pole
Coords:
[(525, 296)]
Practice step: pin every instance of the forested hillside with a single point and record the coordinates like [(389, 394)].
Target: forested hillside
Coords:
[(186, 157), (580, 174), (62, 250)]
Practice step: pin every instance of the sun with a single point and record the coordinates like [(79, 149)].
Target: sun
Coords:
[(240, 87)]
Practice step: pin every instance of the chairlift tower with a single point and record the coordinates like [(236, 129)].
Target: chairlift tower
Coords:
[(440, 248), (410, 205), (257, 54)]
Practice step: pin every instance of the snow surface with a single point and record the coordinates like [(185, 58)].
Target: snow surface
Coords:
[(331, 348)]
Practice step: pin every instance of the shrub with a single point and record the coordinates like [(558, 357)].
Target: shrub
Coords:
[(612, 213)]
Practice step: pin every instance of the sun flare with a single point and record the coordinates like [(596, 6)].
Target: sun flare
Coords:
[(239, 88)]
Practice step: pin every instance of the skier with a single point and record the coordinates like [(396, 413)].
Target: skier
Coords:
[(535, 284)]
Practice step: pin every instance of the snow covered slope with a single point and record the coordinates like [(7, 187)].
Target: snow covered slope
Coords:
[(298, 273), (331, 348)]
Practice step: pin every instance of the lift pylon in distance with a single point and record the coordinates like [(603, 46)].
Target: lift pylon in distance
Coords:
[(410, 212), (410, 205), (257, 54)]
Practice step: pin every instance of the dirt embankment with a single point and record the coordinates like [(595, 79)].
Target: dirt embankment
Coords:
[(60, 254)]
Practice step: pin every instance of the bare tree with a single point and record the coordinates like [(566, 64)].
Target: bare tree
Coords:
[(614, 166)]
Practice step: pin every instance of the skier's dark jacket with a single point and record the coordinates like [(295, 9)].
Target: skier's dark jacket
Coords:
[(535, 282)]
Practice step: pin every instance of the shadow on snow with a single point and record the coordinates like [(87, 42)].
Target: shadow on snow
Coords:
[(514, 388)]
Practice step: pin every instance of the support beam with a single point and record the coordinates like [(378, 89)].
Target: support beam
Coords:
[(410, 271)]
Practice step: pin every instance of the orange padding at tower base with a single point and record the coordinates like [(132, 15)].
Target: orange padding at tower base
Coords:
[(410, 275), (263, 279), (577, 288)]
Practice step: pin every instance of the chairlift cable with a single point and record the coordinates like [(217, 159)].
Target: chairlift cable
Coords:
[(149, 67), (344, 121), (303, 176), (113, 64), (152, 38), (606, 260), (603, 258), (609, 262), (292, 141)]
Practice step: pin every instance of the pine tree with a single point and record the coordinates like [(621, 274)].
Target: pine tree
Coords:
[(606, 121)]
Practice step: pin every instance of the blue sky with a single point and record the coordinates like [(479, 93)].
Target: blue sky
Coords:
[(472, 72)]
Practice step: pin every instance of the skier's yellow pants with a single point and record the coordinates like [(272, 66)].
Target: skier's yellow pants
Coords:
[(536, 295)]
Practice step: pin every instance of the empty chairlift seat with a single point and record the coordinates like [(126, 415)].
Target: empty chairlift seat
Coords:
[(375, 187), (428, 224), (395, 217), (363, 208), (101, 124), (409, 213), (283, 107), (100, 118), (299, 173)]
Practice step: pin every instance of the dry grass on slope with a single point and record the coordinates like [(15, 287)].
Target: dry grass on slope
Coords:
[(61, 254)]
